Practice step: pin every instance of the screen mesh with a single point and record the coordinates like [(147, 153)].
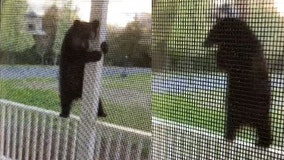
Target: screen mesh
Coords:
[(217, 79), (32, 36), (186, 79)]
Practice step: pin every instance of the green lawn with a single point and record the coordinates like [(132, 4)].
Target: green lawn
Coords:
[(22, 91), (139, 82), (180, 109), (43, 93)]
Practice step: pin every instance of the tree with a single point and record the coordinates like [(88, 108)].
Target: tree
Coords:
[(44, 44), (13, 36), (164, 13), (65, 19), (134, 42)]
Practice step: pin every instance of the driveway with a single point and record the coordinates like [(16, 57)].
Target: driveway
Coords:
[(18, 72)]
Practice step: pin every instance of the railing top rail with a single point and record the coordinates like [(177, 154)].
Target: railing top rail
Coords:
[(53, 113), (207, 133)]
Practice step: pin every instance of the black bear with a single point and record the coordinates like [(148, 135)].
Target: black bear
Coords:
[(75, 53), (240, 55)]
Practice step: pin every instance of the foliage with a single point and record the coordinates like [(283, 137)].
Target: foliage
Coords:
[(180, 27), (65, 20), (20, 47), (130, 46), (271, 36), (13, 35), (44, 44)]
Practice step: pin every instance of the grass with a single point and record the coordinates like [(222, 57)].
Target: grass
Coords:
[(15, 90), (180, 109), (175, 107), (129, 116), (43, 93), (138, 82)]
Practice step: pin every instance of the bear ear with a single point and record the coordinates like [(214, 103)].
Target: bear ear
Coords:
[(76, 23), (95, 24)]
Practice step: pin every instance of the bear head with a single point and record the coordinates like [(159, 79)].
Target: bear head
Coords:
[(229, 31), (83, 33)]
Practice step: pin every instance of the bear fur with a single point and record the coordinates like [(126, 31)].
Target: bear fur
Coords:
[(75, 53), (240, 55)]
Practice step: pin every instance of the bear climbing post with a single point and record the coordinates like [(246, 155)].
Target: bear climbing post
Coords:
[(91, 88)]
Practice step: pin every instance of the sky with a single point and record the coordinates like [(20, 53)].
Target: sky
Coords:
[(119, 11), (279, 5)]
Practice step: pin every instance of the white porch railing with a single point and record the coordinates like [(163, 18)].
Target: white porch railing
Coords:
[(173, 140), (31, 133)]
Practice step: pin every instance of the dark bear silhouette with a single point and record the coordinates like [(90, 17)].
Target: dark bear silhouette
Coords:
[(240, 55), (75, 53)]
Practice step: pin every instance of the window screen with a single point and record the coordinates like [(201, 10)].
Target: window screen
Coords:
[(33, 50), (217, 79), (187, 79)]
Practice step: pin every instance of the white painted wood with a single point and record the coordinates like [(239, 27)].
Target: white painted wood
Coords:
[(65, 139), (55, 132), (42, 137), (74, 140), (128, 148), (181, 135), (34, 134), (107, 150), (2, 128), (8, 131), (21, 135), (91, 88), (14, 132), (57, 139), (28, 135), (118, 146), (49, 140)]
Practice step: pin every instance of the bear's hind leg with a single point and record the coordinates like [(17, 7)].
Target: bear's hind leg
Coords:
[(264, 134), (231, 128), (101, 112), (65, 107)]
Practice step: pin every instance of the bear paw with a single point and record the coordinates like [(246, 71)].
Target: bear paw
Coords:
[(63, 115), (104, 47)]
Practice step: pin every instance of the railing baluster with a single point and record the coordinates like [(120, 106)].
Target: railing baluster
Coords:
[(14, 132), (25, 135), (8, 131), (74, 139), (98, 145), (2, 129), (128, 148), (49, 138), (65, 139), (35, 135), (21, 134), (42, 136), (108, 145), (57, 139), (28, 135), (149, 149), (140, 147), (118, 146)]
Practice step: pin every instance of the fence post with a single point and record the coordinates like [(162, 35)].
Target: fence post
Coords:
[(91, 89)]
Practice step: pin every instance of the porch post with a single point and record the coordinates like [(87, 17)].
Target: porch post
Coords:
[(91, 89)]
